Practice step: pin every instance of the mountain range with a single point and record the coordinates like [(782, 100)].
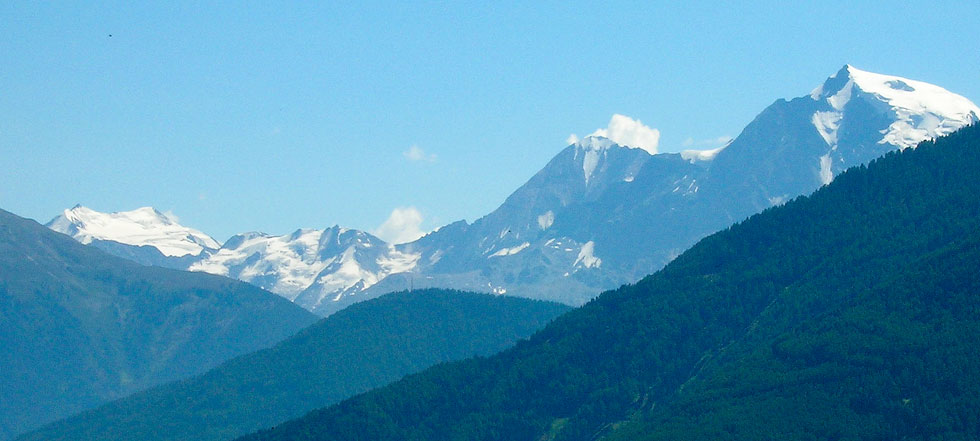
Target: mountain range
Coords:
[(598, 215), (853, 304), (847, 314)]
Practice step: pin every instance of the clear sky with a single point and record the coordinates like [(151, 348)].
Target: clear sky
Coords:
[(270, 117)]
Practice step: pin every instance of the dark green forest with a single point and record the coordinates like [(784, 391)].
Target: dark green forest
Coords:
[(366, 345), (895, 361), (849, 314), (79, 328)]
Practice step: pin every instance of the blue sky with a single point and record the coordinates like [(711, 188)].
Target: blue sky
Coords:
[(272, 117)]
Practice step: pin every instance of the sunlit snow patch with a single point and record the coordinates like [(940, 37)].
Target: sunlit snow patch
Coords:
[(510, 251), (586, 256), (546, 220)]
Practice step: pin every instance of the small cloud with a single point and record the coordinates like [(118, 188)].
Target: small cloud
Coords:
[(572, 139), (415, 154), (630, 132), (709, 143), (403, 225)]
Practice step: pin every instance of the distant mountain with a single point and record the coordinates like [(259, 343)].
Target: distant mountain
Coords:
[(308, 266), (547, 239), (365, 346), (600, 214), (144, 235), (848, 314), (79, 327), (795, 146)]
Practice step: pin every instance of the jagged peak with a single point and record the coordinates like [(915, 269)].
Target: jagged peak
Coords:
[(833, 84), (897, 91), (595, 143), (921, 110)]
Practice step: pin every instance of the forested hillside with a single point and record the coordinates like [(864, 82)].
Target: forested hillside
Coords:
[(849, 312), (365, 346), (893, 361), (79, 327)]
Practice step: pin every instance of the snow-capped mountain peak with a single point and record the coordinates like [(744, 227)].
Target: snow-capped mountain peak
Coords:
[(596, 143), (140, 227), (921, 110), (308, 266), (591, 147), (593, 150)]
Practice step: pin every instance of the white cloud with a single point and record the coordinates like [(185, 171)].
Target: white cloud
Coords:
[(415, 153), (572, 139), (403, 225), (701, 155), (710, 142), (630, 132)]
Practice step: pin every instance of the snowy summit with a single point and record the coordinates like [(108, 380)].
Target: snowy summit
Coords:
[(921, 110), (140, 227)]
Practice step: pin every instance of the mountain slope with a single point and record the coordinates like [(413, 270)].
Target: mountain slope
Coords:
[(636, 348), (79, 327), (365, 346)]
